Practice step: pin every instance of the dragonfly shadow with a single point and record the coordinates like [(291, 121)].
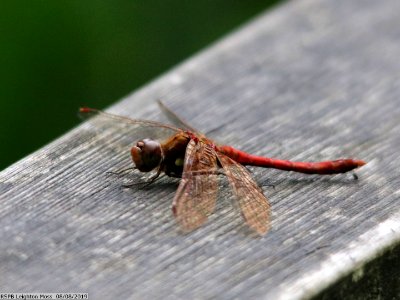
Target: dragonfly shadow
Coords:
[(247, 233), (339, 180), (164, 185), (136, 181)]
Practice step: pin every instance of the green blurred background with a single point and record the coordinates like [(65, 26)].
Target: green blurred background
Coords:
[(57, 55)]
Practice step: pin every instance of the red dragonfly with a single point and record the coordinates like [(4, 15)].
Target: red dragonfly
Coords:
[(190, 155)]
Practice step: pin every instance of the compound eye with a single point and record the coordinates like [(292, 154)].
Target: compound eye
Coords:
[(146, 155)]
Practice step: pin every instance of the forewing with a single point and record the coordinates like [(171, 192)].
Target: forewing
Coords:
[(195, 198), (254, 205), (120, 132), (175, 119)]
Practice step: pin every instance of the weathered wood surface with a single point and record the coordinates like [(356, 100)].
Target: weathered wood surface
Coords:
[(310, 80)]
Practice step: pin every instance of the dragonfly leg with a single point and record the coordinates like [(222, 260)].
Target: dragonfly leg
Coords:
[(269, 185), (119, 172), (355, 176), (146, 183), (153, 178)]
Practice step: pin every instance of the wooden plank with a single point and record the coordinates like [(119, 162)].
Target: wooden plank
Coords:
[(311, 80)]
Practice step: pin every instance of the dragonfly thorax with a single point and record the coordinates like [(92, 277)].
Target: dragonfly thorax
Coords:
[(173, 150), (147, 155)]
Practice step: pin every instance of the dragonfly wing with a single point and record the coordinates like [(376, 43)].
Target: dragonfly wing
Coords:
[(174, 118), (121, 132), (195, 198), (254, 205)]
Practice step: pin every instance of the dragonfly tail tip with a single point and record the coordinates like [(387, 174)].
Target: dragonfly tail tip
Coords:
[(360, 163)]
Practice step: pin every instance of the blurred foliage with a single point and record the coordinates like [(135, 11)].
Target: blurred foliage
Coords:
[(58, 55)]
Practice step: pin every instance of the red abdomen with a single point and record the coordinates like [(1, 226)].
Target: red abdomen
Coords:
[(323, 167)]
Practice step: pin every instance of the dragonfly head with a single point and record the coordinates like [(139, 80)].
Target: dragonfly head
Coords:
[(146, 155)]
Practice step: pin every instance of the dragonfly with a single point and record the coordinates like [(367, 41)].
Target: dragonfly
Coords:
[(190, 155)]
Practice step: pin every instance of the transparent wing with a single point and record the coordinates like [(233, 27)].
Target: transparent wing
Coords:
[(174, 118), (195, 198), (253, 204), (121, 132)]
